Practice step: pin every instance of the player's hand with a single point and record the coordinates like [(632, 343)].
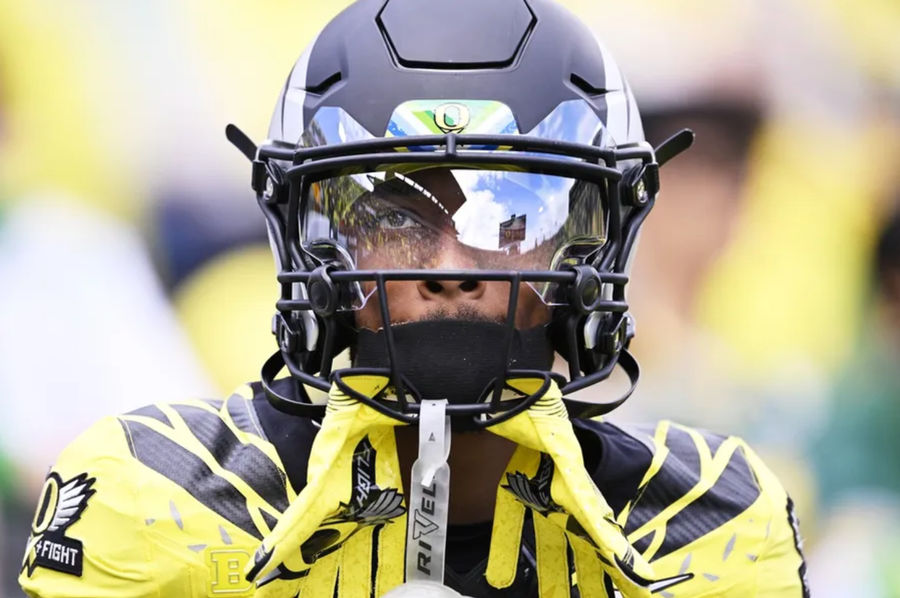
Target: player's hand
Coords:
[(353, 485), (547, 475)]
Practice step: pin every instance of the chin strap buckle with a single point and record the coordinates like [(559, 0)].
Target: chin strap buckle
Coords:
[(613, 341), (258, 176), (288, 338), (642, 185)]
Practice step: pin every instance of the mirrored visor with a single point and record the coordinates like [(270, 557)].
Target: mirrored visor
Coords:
[(459, 218)]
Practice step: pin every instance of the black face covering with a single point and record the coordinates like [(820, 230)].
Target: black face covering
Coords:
[(453, 359)]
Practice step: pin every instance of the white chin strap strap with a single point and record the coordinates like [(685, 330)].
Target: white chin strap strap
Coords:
[(426, 527)]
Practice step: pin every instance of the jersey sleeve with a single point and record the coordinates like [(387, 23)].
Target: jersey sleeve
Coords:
[(712, 518), (169, 501), (87, 534), (781, 569)]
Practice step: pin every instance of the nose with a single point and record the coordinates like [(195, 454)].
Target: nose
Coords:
[(451, 257), (451, 290)]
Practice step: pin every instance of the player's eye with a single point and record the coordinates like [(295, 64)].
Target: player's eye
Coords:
[(396, 220)]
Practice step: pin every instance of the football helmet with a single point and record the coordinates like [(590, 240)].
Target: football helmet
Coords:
[(502, 130)]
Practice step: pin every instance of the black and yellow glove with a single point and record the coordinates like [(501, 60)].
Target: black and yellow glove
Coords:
[(547, 475), (353, 488)]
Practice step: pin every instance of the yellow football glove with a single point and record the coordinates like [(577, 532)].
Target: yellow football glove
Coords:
[(353, 488), (547, 475)]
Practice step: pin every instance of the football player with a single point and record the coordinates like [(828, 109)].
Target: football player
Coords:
[(453, 193)]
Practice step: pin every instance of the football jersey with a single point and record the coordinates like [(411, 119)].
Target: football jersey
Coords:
[(172, 500)]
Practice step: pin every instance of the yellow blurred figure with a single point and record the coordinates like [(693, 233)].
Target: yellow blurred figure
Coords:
[(56, 132), (791, 283), (869, 32), (226, 308)]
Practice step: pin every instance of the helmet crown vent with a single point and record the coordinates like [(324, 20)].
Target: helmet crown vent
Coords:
[(457, 34)]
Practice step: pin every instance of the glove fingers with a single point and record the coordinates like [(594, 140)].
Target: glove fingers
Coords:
[(353, 443), (529, 386), (629, 571), (326, 478), (334, 438), (552, 560), (606, 539), (591, 516), (610, 542), (577, 506), (626, 584), (391, 536), (322, 577), (506, 538), (355, 576), (345, 419), (588, 570), (523, 428), (297, 523), (365, 384), (391, 555)]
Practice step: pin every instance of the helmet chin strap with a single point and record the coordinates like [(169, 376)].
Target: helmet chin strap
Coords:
[(429, 501)]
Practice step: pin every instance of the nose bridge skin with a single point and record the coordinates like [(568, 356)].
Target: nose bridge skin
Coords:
[(451, 255), (410, 301)]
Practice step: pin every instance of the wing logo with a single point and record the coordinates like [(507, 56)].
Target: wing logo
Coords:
[(534, 492), (370, 505), (61, 504)]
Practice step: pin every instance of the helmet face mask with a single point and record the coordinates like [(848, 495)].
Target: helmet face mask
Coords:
[(451, 191)]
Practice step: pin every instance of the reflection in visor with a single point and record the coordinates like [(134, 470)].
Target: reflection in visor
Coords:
[(440, 218)]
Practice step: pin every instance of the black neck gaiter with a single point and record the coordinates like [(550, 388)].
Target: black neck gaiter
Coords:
[(454, 359)]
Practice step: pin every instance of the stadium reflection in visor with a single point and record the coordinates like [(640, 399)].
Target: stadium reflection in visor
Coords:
[(442, 218)]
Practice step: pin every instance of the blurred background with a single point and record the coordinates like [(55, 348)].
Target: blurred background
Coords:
[(134, 266)]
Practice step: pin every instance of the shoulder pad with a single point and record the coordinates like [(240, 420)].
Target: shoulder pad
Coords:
[(705, 506), (164, 500), (86, 536)]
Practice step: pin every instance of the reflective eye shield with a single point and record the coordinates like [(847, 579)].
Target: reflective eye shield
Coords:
[(439, 218), (279, 172), (277, 167)]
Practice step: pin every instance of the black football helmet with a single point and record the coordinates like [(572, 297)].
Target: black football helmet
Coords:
[(502, 127)]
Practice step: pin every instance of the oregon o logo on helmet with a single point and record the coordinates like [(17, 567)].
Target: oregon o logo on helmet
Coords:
[(452, 117)]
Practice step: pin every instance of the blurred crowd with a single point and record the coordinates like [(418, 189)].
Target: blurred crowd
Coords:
[(134, 266)]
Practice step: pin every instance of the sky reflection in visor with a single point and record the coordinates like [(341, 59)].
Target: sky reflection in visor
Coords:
[(427, 218)]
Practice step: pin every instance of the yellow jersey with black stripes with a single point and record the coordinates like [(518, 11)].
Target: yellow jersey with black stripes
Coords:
[(171, 500)]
